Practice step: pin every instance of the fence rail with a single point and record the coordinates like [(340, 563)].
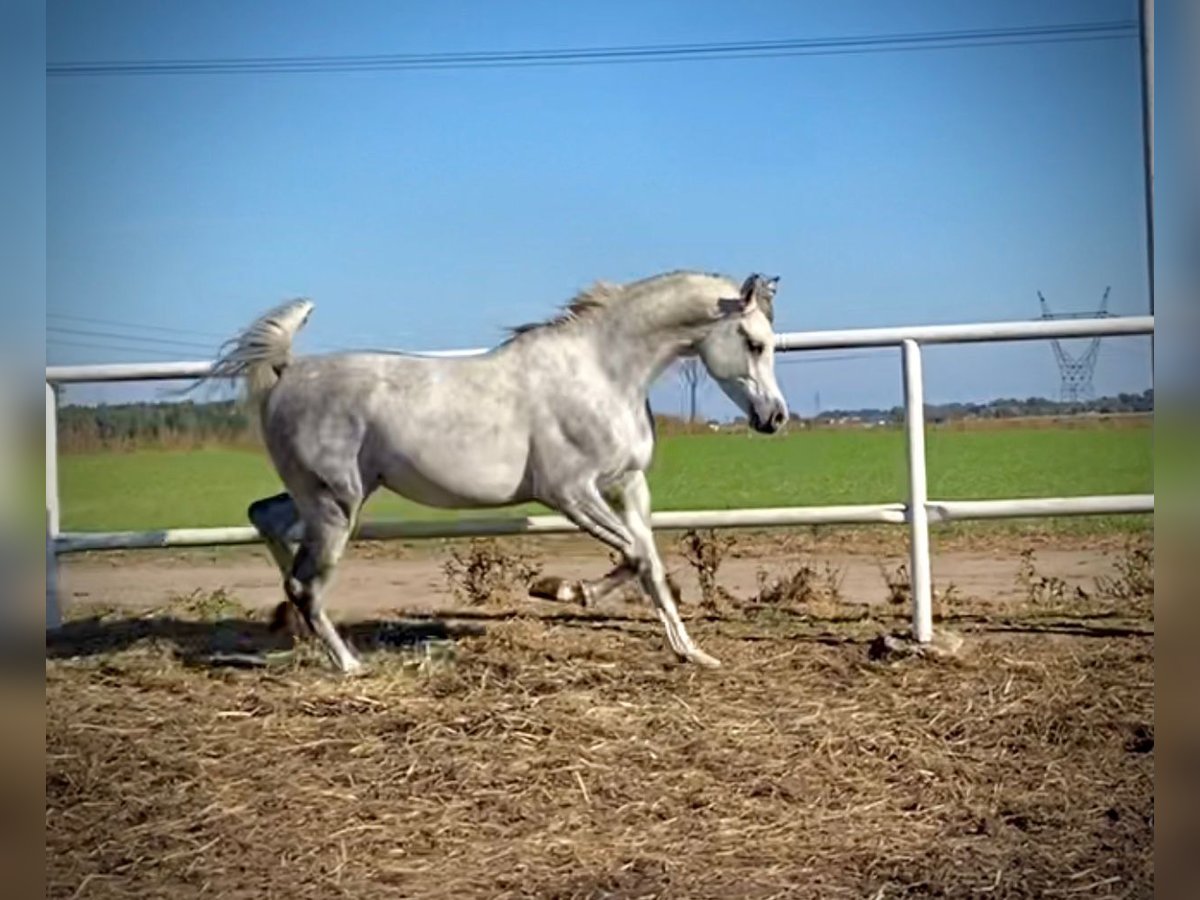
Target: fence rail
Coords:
[(917, 512)]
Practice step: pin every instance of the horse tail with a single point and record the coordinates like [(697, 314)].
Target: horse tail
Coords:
[(261, 352)]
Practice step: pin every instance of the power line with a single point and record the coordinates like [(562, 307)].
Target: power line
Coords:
[(156, 345), (928, 40), (147, 351), (801, 360), (114, 323), (219, 338), (145, 339)]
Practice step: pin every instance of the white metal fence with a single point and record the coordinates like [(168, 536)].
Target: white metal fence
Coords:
[(918, 511)]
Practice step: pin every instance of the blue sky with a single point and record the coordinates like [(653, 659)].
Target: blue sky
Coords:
[(430, 209)]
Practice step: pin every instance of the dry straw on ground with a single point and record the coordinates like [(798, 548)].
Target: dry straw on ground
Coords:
[(566, 756)]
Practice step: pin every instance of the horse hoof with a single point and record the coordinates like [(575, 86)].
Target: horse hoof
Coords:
[(556, 589), (352, 668), (545, 588), (700, 658)]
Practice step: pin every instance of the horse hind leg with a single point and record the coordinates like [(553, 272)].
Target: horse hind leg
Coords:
[(327, 530), (277, 520)]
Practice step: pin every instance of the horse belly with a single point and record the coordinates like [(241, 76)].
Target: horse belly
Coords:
[(454, 437), (457, 485)]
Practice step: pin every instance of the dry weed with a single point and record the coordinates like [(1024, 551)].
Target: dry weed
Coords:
[(704, 551), (946, 601), (484, 573), (1134, 578), (813, 589), (899, 590), (1044, 590), (209, 606), (898, 583)]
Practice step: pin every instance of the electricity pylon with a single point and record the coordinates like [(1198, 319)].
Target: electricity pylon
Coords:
[(1076, 371)]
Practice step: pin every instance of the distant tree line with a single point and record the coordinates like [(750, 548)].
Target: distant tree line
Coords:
[(1003, 408), (127, 426)]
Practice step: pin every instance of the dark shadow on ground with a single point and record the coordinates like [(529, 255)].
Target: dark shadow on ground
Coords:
[(196, 640), (240, 640)]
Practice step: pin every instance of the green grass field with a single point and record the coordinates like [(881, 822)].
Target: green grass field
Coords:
[(159, 489)]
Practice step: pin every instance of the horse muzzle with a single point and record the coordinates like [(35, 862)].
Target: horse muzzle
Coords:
[(770, 420)]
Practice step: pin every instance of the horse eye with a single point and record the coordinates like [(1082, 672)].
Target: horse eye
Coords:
[(755, 348)]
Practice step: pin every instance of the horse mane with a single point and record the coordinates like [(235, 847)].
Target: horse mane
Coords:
[(600, 295)]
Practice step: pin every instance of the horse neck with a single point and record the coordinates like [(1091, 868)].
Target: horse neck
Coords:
[(635, 352)]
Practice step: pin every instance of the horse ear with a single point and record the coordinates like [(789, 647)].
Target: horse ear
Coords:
[(758, 290), (750, 289), (766, 296)]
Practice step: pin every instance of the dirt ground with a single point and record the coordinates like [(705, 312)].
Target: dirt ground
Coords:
[(379, 578), (519, 748)]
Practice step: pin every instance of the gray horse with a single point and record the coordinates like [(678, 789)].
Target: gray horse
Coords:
[(558, 414)]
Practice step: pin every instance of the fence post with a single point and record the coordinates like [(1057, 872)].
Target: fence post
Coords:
[(918, 513), (53, 611)]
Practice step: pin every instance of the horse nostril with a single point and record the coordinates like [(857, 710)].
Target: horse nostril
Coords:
[(777, 420)]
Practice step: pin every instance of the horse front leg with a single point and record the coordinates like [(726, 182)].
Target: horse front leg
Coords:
[(635, 506), (586, 507), (585, 592), (630, 535)]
